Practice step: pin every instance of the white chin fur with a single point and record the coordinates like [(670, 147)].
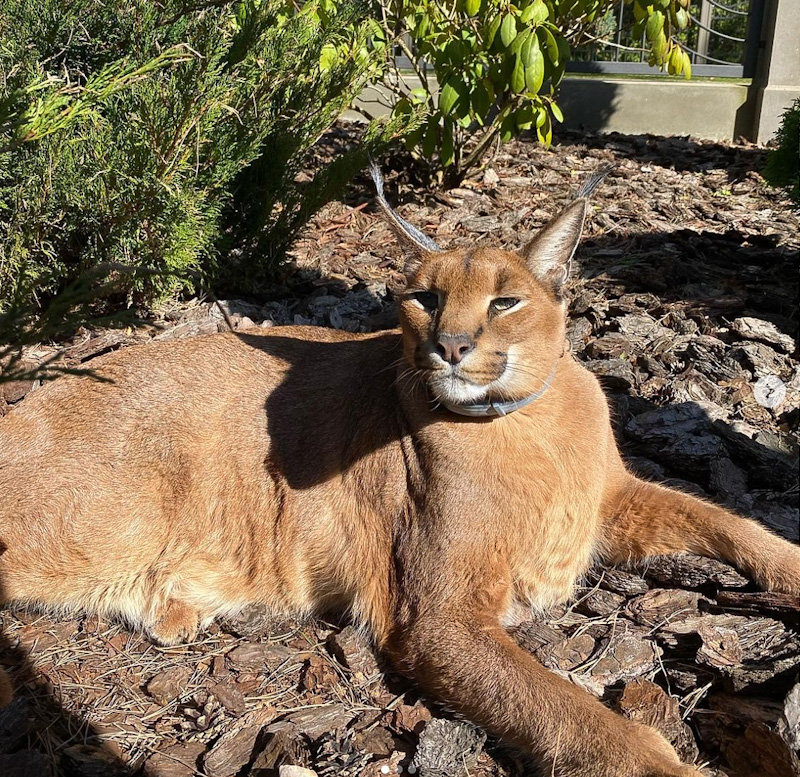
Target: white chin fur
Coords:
[(456, 391)]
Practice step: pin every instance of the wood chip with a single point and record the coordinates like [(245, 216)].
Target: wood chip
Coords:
[(180, 760), (789, 725), (568, 653), (761, 751), (618, 581), (230, 697), (448, 748), (257, 657), (316, 721), (658, 606), (690, 571), (353, 651), (763, 331), (759, 601), (295, 771), (649, 704), (625, 656), (600, 603), (166, 686), (235, 748)]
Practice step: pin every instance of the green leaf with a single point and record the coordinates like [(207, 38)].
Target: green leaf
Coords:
[(525, 117), (557, 114), (676, 61), (447, 151), (660, 48), (550, 43), (431, 139), (655, 24), (508, 30), (461, 110), (535, 13), (519, 41), (402, 107), (448, 96), (456, 52), (526, 53), (481, 102), (412, 140), (545, 131), (508, 129), (518, 77), (534, 68), (687, 66), (472, 7), (492, 28)]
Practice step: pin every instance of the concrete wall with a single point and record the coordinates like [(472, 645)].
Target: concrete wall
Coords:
[(717, 110)]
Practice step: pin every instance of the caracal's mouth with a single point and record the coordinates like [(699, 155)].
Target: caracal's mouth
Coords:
[(457, 387)]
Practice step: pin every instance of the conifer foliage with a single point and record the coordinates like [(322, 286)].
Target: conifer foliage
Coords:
[(166, 136)]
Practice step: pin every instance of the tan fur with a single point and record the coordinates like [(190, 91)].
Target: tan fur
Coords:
[(310, 469)]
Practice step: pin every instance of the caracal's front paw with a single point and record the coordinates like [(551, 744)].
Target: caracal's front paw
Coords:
[(174, 623), (783, 573), (621, 748), (656, 757)]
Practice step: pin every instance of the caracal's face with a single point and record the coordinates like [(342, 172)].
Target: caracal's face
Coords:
[(478, 326)]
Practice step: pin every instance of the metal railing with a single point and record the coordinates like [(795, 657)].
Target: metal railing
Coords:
[(722, 40)]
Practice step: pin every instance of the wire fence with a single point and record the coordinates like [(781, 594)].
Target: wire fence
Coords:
[(722, 40)]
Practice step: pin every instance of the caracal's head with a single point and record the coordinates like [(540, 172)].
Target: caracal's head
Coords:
[(483, 324)]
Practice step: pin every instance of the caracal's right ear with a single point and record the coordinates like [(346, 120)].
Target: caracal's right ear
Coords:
[(419, 243), (549, 254)]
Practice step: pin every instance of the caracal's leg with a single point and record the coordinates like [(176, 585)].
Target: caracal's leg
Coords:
[(644, 519)]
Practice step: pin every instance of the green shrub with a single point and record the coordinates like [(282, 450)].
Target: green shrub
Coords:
[(498, 64), (783, 163), (167, 136)]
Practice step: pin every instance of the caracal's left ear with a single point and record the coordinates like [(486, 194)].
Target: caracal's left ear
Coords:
[(549, 254)]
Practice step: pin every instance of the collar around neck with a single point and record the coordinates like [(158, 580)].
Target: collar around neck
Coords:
[(499, 409)]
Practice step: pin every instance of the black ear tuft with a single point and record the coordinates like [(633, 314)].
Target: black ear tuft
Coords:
[(592, 182), (408, 234), (549, 254)]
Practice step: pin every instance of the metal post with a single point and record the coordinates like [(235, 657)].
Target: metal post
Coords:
[(752, 45), (704, 32)]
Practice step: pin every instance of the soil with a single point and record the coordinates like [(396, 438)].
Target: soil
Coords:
[(684, 303)]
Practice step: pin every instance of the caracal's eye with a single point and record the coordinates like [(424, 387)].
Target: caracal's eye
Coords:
[(503, 303), (428, 299)]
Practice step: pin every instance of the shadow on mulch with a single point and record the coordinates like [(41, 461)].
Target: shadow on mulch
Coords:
[(39, 738), (728, 274), (683, 154)]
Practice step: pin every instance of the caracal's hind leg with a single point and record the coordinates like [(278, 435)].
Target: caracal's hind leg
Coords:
[(644, 519), (173, 622)]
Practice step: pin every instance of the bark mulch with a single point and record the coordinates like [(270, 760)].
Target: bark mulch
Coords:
[(684, 303)]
